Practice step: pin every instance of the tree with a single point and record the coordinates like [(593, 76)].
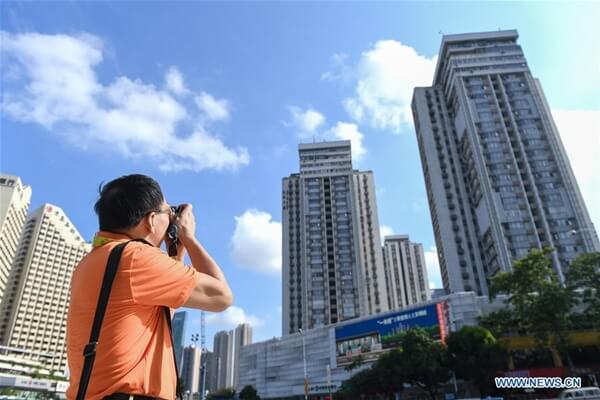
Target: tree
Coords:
[(227, 393), (249, 393), (423, 362), (475, 355), (540, 304), (583, 279), (357, 362), (381, 379), (387, 367), (501, 323)]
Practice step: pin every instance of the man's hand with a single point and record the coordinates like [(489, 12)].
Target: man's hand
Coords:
[(186, 223)]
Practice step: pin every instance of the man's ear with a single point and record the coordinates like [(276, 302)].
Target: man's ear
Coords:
[(150, 222)]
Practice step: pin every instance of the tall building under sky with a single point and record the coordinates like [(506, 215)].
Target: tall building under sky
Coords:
[(190, 368), (35, 305), (223, 365), (405, 272), (14, 203), (179, 324), (332, 260), (497, 176), (243, 337)]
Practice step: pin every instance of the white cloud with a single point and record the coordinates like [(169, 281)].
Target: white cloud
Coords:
[(348, 131), (433, 268), (340, 71), (384, 231), (174, 81), (306, 121), (580, 133), (386, 77), (232, 317), (214, 109), (58, 88), (256, 242)]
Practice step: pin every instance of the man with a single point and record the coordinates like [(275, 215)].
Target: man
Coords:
[(134, 356)]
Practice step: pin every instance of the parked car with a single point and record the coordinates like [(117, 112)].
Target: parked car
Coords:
[(584, 393)]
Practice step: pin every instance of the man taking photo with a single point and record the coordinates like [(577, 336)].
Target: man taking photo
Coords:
[(134, 352)]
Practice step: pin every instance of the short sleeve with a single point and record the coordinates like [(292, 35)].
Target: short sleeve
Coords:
[(158, 280)]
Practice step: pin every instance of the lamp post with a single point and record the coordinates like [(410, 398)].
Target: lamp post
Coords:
[(329, 380), (304, 360), (453, 358)]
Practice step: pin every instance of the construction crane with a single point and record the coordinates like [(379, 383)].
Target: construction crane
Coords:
[(203, 357)]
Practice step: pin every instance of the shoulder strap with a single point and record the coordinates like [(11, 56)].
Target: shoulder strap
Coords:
[(167, 312), (89, 351)]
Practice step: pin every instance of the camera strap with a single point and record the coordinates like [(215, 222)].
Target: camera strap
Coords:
[(89, 351)]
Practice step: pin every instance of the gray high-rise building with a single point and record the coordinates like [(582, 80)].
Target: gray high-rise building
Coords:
[(332, 260), (14, 203), (34, 309), (225, 361), (223, 357), (179, 323), (242, 337), (497, 176), (211, 371), (190, 369), (405, 272)]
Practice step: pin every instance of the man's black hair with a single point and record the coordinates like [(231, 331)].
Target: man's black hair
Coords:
[(126, 200)]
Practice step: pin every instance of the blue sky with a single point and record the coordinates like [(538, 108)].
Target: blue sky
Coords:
[(212, 99)]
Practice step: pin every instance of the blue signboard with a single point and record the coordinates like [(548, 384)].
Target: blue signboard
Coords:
[(370, 337)]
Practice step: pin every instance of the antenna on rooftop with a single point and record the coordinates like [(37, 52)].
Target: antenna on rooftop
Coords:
[(203, 356)]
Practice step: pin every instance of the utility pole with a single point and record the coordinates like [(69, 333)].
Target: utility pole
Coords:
[(304, 359), (203, 357)]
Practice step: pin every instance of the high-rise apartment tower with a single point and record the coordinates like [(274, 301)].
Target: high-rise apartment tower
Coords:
[(405, 272), (14, 203), (35, 305), (497, 175), (332, 259)]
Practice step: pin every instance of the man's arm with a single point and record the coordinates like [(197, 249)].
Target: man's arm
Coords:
[(212, 292)]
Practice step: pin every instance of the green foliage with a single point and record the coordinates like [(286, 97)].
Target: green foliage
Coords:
[(540, 305), (583, 279), (249, 393), (7, 391), (423, 362), (501, 323), (419, 360), (475, 355), (357, 362), (228, 393)]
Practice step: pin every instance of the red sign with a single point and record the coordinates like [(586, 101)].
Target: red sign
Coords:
[(441, 321), (536, 372)]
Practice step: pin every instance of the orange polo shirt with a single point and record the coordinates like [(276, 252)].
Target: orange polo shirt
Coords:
[(134, 353)]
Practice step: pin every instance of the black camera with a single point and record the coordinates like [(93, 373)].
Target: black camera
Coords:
[(173, 231)]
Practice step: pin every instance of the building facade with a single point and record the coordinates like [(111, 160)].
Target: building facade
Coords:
[(34, 309), (222, 368), (179, 323), (211, 377), (275, 368), (190, 369), (497, 176), (242, 337), (332, 262), (405, 272), (14, 204)]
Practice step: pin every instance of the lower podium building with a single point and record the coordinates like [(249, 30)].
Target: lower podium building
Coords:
[(276, 368)]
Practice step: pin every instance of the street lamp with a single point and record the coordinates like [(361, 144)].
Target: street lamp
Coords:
[(304, 359)]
